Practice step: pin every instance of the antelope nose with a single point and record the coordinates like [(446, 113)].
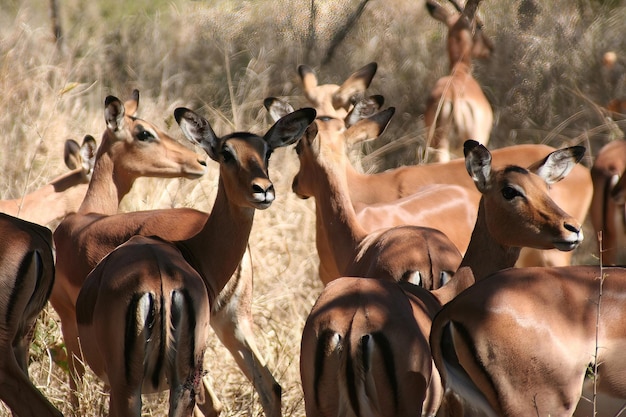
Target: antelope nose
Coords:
[(572, 228), (576, 232), (263, 192), (572, 238)]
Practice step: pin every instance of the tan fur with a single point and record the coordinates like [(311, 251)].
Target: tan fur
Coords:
[(336, 100), (527, 337), (432, 206), (163, 350)]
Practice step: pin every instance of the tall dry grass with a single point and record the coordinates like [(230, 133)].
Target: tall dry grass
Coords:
[(222, 58)]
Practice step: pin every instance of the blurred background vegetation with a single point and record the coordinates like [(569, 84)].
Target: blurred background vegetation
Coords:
[(545, 81)]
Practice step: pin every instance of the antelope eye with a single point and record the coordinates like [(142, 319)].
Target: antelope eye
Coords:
[(227, 155), (144, 136), (509, 193)]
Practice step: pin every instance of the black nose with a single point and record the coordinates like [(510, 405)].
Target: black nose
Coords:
[(257, 188), (572, 228)]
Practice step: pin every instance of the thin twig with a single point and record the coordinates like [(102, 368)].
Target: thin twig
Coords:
[(597, 347)]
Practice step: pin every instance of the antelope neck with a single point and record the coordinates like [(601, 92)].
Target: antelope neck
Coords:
[(484, 255), (335, 211), (218, 248), (107, 187)]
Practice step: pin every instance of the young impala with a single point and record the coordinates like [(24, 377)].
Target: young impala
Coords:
[(393, 184), (457, 108), (143, 312), (63, 194), (363, 343), (26, 278)]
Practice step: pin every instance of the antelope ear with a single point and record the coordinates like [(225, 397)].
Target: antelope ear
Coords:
[(558, 164), (369, 127), (478, 164), (198, 130), (132, 104), (113, 113), (71, 154), (437, 11), (308, 78), (290, 128), (83, 156), (469, 11), (277, 108), (88, 154), (354, 87), (364, 108)]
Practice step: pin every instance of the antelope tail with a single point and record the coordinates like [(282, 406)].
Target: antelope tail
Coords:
[(183, 353), (368, 379), (142, 316)]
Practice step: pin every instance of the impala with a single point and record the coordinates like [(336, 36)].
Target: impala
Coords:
[(363, 351), (143, 313), (529, 342), (63, 194), (457, 109), (363, 345), (394, 184), (416, 210), (130, 147), (26, 277), (344, 246), (607, 210)]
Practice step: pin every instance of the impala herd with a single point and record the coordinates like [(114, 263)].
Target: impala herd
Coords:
[(448, 286)]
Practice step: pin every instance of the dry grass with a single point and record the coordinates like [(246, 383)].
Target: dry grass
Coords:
[(222, 58)]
